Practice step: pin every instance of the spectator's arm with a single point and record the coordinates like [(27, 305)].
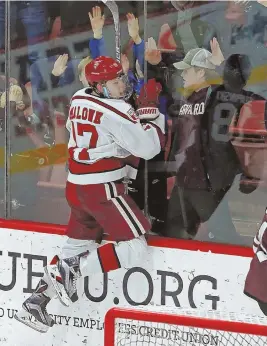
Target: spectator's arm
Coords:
[(217, 55), (139, 53), (59, 68), (54, 80), (97, 44), (26, 98), (139, 45), (97, 21), (133, 28), (36, 77), (210, 33), (97, 47), (184, 30), (219, 69)]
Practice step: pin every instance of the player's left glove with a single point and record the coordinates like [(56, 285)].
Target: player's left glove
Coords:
[(148, 100)]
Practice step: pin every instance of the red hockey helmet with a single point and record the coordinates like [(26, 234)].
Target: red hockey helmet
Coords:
[(102, 69)]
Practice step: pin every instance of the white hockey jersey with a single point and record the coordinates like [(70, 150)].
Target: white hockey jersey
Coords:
[(102, 132)]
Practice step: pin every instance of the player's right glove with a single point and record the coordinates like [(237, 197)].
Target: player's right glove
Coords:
[(148, 100)]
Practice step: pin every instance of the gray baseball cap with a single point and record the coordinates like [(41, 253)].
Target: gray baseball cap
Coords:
[(197, 57)]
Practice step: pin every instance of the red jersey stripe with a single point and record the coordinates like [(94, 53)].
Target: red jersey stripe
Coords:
[(84, 155), (71, 151), (104, 165), (103, 104)]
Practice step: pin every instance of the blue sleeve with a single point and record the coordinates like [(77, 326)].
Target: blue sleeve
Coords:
[(137, 83), (35, 75), (38, 82), (139, 54), (97, 47), (163, 106)]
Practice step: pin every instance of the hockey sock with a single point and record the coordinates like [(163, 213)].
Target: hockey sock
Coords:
[(109, 257), (74, 247)]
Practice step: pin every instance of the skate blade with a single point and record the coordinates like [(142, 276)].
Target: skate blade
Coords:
[(29, 320), (52, 272)]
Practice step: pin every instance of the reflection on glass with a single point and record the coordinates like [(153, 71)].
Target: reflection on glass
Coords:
[(208, 182)]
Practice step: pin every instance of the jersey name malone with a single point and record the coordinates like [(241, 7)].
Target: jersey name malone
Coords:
[(85, 113)]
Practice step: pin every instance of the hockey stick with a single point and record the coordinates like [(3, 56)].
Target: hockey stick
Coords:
[(7, 186), (113, 7), (146, 209)]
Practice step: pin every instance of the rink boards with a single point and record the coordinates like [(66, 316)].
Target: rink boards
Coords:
[(176, 273)]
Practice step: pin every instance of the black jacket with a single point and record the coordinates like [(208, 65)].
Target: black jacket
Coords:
[(210, 162), (220, 159)]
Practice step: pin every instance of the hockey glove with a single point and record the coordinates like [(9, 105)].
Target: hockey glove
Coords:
[(148, 100)]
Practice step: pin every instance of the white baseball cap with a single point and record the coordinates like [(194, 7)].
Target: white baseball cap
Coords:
[(197, 57)]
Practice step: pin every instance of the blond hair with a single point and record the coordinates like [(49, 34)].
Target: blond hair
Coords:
[(82, 65)]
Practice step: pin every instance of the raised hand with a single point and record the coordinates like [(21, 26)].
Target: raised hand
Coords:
[(97, 21), (60, 65), (138, 70), (217, 55), (133, 28), (125, 63), (152, 54)]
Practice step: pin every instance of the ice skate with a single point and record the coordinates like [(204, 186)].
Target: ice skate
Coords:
[(33, 313), (64, 277)]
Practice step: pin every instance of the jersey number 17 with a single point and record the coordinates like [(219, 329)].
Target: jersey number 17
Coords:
[(84, 135)]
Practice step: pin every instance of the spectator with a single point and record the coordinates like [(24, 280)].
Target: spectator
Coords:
[(60, 71), (205, 159), (193, 199), (235, 28), (25, 135), (33, 17), (97, 44)]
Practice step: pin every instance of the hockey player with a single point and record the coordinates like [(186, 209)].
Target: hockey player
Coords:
[(103, 129), (256, 280)]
